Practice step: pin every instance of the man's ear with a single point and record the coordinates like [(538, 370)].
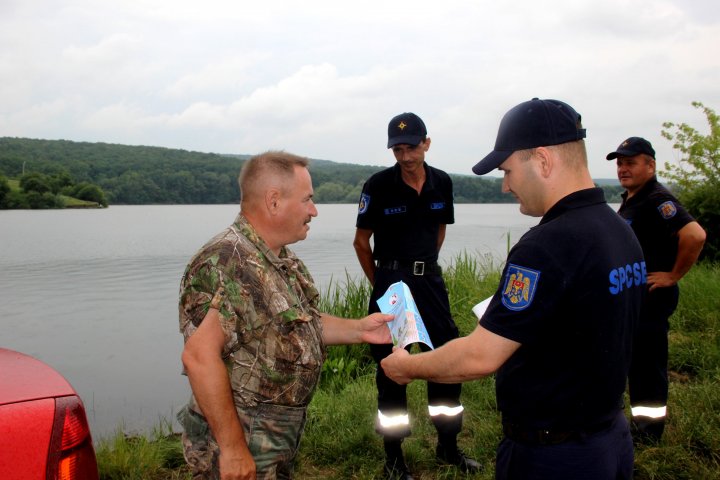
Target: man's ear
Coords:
[(426, 144), (546, 160), (272, 200)]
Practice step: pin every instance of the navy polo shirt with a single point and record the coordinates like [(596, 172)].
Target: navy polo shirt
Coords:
[(405, 224), (570, 294), (655, 216)]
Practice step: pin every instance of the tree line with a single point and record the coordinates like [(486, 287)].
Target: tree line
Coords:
[(139, 175)]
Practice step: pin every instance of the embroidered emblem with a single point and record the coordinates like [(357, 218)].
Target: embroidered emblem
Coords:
[(520, 286), (437, 206), (364, 203), (402, 125), (667, 210)]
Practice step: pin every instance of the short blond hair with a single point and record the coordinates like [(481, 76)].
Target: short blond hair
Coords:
[(262, 169)]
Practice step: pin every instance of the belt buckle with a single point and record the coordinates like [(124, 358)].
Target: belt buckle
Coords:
[(418, 268)]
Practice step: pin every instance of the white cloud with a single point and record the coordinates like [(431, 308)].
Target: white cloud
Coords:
[(323, 78)]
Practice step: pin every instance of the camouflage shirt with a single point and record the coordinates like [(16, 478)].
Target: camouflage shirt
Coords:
[(268, 312)]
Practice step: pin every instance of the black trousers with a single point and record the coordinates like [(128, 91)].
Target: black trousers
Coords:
[(603, 455), (431, 298), (648, 376)]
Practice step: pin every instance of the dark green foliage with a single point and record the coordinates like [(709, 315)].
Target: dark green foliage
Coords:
[(38, 200), (60, 180), (129, 174), (612, 193), (138, 175), (697, 174), (703, 202), (41, 191), (15, 200), (89, 192), (4, 190), (35, 182), (469, 188)]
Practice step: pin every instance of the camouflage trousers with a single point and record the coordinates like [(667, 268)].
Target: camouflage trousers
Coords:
[(272, 431)]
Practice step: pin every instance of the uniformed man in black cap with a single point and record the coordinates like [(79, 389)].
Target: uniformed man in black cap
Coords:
[(558, 330), (671, 240), (406, 209)]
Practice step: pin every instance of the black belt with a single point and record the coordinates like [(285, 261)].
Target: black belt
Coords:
[(551, 437), (410, 266)]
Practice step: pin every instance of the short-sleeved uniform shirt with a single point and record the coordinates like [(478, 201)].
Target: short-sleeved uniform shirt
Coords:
[(655, 216), (570, 294), (405, 225), (273, 333)]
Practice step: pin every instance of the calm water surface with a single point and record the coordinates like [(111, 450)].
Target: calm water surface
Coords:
[(94, 292)]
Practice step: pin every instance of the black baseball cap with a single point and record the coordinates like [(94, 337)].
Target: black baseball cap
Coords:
[(406, 128), (535, 123), (631, 147)]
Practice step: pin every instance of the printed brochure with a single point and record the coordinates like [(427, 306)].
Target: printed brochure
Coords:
[(407, 327)]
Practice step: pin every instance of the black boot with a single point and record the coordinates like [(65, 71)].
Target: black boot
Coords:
[(395, 468), (450, 453), (647, 431)]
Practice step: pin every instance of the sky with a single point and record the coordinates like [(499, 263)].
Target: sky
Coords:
[(323, 78)]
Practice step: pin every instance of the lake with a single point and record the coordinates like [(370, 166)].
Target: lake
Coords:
[(94, 292)]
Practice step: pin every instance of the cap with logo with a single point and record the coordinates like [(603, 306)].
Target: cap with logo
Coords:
[(631, 147), (406, 128), (535, 123)]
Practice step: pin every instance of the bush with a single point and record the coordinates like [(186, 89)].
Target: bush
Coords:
[(43, 200), (703, 203), (16, 200), (697, 175), (90, 193), (35, 182), (4, 190)]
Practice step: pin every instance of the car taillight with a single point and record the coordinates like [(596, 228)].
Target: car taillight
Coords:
[(71, 455)]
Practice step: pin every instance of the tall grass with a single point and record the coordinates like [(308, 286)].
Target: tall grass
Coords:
[(136, 457), (340, 442)]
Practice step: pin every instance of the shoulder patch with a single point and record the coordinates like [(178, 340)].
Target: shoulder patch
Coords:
[(667, 209), (520, 286), (364, 203)]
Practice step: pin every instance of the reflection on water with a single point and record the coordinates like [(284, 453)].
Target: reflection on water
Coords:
[(94, 293)]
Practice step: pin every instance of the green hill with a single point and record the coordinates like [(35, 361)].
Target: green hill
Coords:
[(136, 175)]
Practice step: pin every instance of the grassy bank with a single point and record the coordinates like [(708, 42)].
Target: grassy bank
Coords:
[(340, 443)]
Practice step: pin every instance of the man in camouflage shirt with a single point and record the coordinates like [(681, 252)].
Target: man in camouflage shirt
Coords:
[(254, 338)]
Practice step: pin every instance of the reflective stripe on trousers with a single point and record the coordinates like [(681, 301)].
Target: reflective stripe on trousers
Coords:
[(389, 421), (650, 412), (392, 421), (397, 425), (435, 410)]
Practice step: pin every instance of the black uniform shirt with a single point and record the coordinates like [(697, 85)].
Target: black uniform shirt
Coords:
[(405, 225), (570, 294), (655, 216)]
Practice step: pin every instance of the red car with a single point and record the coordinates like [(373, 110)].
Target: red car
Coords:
[(44, 431)]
